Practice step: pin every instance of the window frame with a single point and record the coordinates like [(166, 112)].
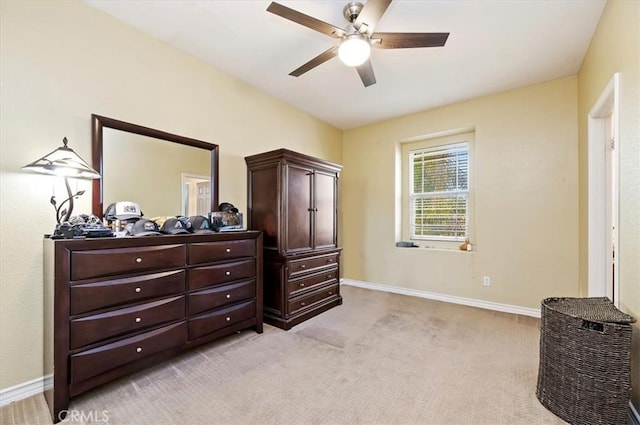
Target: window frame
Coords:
[(435, 142)]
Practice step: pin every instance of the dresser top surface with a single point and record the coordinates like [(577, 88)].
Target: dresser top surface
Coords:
[(123, 242)]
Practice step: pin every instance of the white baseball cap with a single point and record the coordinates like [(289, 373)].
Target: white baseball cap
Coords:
[(123, 210)]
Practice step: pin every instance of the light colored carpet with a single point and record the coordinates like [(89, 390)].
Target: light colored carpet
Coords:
[(378, 359)]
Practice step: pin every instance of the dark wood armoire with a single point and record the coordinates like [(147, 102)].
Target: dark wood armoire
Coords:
[(293, 200)]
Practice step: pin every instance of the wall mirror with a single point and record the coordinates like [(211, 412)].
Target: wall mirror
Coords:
[(164, 173)]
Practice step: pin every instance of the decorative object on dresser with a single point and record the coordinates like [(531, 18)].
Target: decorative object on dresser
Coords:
[(113, 306), (66, 163), (293, 199)]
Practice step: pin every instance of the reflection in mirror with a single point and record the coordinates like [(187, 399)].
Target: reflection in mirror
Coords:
[(164, 173), (196, 195)]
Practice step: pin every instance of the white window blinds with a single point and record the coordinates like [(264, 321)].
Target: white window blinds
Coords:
[(438, 192)]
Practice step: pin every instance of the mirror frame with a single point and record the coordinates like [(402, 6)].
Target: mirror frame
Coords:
[(98, 123)]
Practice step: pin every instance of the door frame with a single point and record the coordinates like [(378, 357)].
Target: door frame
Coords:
[(186, 180), (600, 262)]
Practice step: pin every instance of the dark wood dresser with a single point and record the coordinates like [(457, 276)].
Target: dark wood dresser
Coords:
[(293, 199), (113, 306)]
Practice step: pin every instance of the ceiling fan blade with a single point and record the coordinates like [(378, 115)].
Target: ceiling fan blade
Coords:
[(371, 14), (365, 71), (305, 20), (403, 40), (318, 60)]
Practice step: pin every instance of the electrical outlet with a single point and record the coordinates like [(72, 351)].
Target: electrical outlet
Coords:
[(486, 280)]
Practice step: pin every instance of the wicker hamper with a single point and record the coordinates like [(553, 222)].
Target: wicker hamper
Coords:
[(585, 346)]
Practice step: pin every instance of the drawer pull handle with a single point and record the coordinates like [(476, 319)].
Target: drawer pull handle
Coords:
[(138, 289), (228, 319), (303, 303), (302, 285), (330, 276), (228, 296), (303, 266), (138, 320), (330, 260), (228, 250), (138, 260), (227, 273), (330, 292), (139, 350)]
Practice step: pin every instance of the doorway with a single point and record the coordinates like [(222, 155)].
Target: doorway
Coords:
[(604, 194)]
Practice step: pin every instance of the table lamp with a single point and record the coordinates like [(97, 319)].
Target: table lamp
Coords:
[(63, 162)]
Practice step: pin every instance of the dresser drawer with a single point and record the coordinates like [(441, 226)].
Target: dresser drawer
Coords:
[(306, 301), (92, 362), (89, 329), (310, 282), (209, 252), (219, 319), (305, 265), (200, 277), (107, 262), (108, 293), (219, 296)]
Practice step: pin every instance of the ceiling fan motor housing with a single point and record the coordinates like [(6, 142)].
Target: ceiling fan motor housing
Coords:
[(352, 10)]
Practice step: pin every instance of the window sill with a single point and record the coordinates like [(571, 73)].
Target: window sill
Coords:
[(433, 248)]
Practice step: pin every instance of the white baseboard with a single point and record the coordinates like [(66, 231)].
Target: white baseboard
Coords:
[(633, 415), (25, 390), (505, 308)]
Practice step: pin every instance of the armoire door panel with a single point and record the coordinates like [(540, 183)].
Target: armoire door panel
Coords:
[(325, 210), (299, 209)]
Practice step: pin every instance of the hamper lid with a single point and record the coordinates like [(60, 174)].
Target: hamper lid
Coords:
[(599, 309)]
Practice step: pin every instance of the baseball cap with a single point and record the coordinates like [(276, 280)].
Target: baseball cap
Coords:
[(123, 210), (173, 226), (200, 224), (227, 207), (142, 227), (185, 222)]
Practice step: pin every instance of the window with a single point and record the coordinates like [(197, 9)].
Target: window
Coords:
[(436, 179), (438, 192)]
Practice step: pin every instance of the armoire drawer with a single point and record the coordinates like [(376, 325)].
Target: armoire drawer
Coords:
[(219, 296), (310, 282), (308, 300), (200, 277), (208, 252), (218, 319), (89, 329), (108, 293), (108, 262), (309, 264), (106, 357)]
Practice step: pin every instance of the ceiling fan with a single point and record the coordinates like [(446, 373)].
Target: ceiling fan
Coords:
[(358, 36)]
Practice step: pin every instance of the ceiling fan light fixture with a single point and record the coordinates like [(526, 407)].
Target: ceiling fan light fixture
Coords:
[(354, 50)]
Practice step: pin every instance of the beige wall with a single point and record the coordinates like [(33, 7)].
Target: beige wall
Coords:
[(615, 47), (62, 61), (526, 196)]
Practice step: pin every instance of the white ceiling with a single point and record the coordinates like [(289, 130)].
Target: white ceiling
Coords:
[(494, 46)]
